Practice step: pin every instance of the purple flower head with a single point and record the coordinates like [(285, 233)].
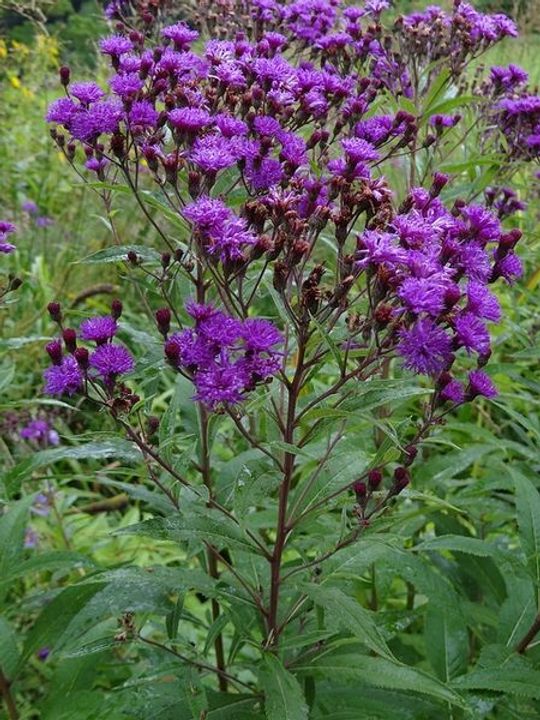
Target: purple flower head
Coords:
[(230, 126), (189, 119), (375, 248), (425, 347), (180, 34), (359, 151), (453, 391), (43, 221), (65, 378), (444, 121), (111, 360), (86, 92), (30, 207), (508, 78), (61, 111), (424, 294), (481, 302), (510, 268), (102, 118), (481, 384), (142, 115), (6, 228), (41, 505), (41, 432), (260, 335), (115, 45), (220, 384), (212, 153), (127, 86), (31, 538), (471, 333), (263, 173), (98, 329)]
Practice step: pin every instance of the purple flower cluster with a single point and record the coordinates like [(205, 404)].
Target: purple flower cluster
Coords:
[(40, 432), (432, 270), (6, 229), (106, 362), (225, 357)]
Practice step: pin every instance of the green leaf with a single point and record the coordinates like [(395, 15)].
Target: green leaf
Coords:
[(382, 673), (457, 543), (515, 681), (53, 623), (447, 641), (283, 695), (9, 653), (45, 561), (211, 528), (173, 618), (344, 611), (118, 253), (115, 447), (528, 517), (12, 531)]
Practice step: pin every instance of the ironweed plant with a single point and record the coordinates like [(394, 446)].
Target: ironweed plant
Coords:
[(321, 272)]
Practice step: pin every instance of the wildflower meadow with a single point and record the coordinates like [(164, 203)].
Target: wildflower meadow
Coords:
[(269, 361)]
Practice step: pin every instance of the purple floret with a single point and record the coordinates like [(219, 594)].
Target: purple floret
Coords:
[(98, 329), (481, 384), (115, 45), (425, 348), (112, 360), (65, 378)]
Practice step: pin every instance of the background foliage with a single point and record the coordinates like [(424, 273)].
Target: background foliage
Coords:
[(421, 620)]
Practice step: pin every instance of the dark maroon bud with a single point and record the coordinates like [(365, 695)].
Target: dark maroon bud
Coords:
[(81, 356), (411, 451), (281, 273), (70, 339), (15, 283), (483, 359), (194, 183), (116, 308), (152, 424), (64, 73), (132, 257), (55, 311), (163, 319), (383, 314), (299, 249), (374, 479), (439, 181), (54, 350), (360, 490), (165, 260), (458, 206), (401, 480), (172, 352), (451, 296), (263, 244), (443, 380), (70, 150), (118, 145), (178, 255), (510, 239)]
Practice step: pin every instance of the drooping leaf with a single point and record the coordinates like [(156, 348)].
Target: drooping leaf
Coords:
[(344, 611), (283, 695)]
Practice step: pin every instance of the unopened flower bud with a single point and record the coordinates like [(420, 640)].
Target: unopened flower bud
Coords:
[(152, 425), (439, 181), (70, 339), (281, 273), (360, 490), (81, 356), (401, 480), (132, 257), (374, 479), (116, 308), (172, 352), (165, 260), (55, 311), (163, 319), (15, 283), (54, 350), (411, 451), (64, 73)]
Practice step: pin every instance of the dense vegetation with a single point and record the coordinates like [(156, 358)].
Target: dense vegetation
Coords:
[(146, 569)]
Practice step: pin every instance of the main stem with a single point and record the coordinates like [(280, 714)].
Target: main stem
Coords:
[(5, 692), (288, 472)]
